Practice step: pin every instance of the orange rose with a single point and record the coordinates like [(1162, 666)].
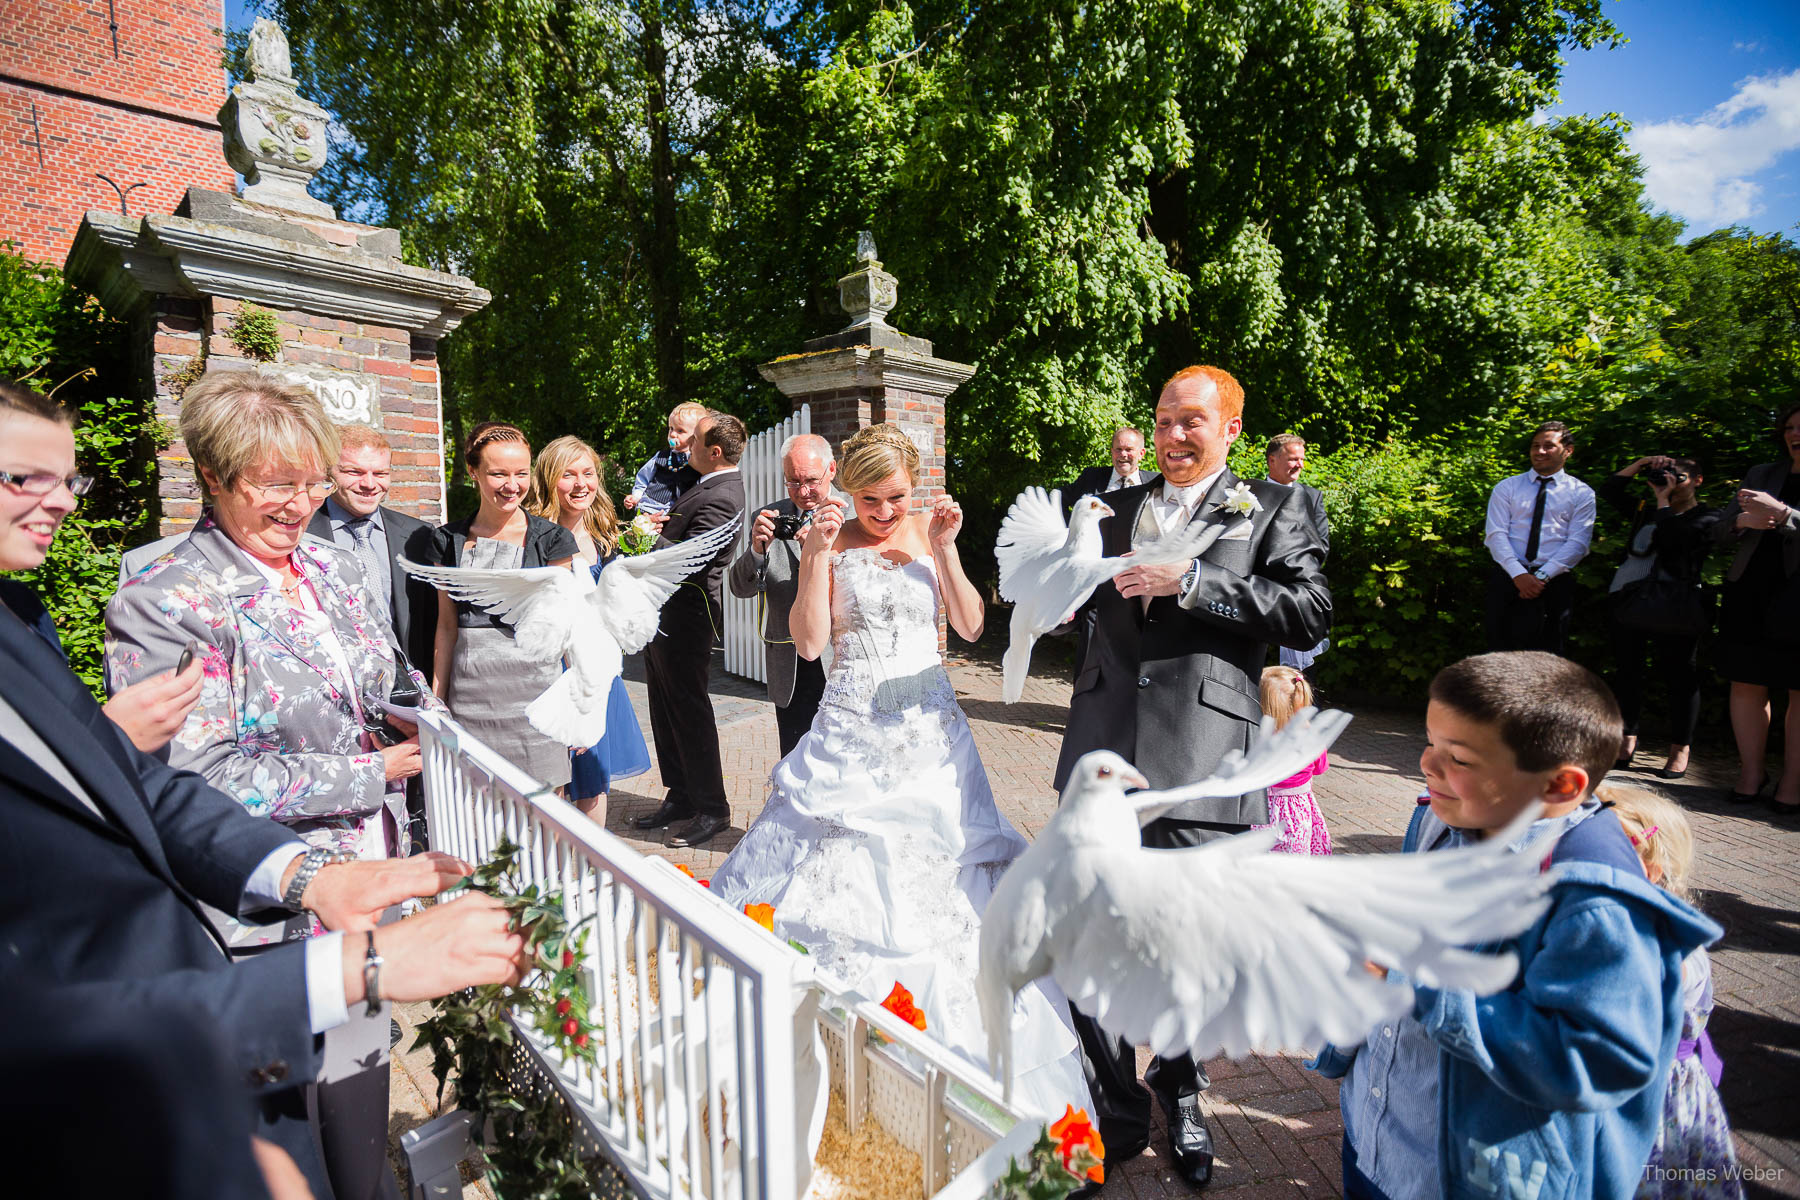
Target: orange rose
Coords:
[(1078, 1144), (762, 914), (900, 1003), (687, 870)]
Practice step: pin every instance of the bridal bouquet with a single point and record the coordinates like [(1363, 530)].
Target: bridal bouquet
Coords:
[(639, 537)]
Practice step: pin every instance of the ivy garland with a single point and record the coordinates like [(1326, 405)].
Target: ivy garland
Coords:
[(257, 333), (530, 1153)]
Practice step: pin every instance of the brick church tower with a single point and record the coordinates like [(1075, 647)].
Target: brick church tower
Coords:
[(128, 89)]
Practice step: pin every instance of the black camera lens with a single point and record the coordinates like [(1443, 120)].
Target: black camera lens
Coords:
[(1658, 476)]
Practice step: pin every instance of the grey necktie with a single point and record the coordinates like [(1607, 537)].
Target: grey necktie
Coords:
[(363, 532)]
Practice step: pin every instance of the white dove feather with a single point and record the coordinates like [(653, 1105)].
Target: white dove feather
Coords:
[(1228, 947), (1049, 568), (559, 613)]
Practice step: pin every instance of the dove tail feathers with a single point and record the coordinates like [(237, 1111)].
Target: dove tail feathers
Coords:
[(1015, 665), (555, 714)]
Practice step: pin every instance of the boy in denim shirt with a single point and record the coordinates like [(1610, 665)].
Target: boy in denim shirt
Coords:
[(1554, 1087), (658, 485)]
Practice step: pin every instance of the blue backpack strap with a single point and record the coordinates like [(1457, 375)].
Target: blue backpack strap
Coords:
[(1599, 839)]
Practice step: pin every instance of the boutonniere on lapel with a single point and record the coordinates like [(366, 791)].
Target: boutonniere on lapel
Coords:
[(1240, 500)]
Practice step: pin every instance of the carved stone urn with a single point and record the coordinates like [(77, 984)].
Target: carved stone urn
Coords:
[(274, 136)]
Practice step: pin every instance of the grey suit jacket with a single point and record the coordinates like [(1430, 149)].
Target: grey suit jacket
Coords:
[(1174, 689), (412, 601), (775, 575), (1770, 478)]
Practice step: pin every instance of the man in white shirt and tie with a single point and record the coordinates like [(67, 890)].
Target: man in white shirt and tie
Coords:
[(1121, 472), (1539, 525)]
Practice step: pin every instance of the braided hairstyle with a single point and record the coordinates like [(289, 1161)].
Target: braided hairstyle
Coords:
[(485, 435), (870, 455)]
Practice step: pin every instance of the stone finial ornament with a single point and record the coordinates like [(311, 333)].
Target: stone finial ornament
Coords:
[(868, 293), (274, 137)]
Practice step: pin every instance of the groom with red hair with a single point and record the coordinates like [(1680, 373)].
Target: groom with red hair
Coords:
[(1168, 680)]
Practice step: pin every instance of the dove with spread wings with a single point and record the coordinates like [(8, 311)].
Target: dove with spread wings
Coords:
[(592, 624), (1048, 569), (1227, 947)]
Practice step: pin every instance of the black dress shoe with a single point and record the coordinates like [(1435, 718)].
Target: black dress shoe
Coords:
[(1190, 1142), (1736, 797), (667, 813), (1665, 773), (697, 832)]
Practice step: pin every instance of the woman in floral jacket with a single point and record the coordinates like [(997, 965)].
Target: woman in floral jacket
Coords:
[(298, 661)]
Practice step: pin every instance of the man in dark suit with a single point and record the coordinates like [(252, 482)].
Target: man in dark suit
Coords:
[(107, 857), (1286, 457), (1127, 452), (678, 661), (770, 568), (356, 518), (1169, 680)]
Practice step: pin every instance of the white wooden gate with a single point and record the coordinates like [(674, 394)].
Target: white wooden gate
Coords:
[(763, 485)]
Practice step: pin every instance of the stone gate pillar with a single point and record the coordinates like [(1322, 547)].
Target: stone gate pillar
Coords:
[(350, 319), (870, 372)]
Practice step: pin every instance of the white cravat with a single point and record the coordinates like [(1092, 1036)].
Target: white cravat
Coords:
[(1171, 507)]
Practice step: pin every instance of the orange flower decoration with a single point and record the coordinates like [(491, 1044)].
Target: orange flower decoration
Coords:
[(1078, 1144), (762, 914), (900, 1003), (687, 870)]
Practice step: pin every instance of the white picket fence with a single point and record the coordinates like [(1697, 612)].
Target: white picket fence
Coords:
[(763, 485), (716, 1042)]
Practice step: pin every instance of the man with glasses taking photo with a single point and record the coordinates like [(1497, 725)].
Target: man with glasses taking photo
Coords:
[(770, 568)]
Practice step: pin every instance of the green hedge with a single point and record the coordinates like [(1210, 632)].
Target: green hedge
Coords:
[(55, 339)]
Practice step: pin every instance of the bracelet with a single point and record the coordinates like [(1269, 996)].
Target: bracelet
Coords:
[(372, 975)]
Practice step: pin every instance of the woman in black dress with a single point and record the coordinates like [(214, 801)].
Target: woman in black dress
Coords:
[(1759, 629), (1670, 535)]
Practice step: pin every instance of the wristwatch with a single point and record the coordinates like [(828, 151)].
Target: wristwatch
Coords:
[(310, 864), (1189, 578), (1543, 573)]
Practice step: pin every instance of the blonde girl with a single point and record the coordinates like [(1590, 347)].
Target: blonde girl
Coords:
[(1693, 1155), (1292, 805)]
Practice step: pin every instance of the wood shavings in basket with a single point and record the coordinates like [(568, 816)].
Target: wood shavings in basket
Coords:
[(866, 1165)]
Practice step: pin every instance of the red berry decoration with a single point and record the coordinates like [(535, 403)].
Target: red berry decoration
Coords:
[(571, 1026), (563, 1006), (568, 958), (581, 1040)]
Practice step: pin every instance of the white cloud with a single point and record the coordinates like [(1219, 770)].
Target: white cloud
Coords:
[(1747, 47), (1702, 170)]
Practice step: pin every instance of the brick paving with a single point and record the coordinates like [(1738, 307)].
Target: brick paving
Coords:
[(1276, 1125)]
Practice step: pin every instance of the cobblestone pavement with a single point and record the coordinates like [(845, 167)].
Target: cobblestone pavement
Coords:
[(1276, 1125)]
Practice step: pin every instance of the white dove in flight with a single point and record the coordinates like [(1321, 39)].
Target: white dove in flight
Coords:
[(559, 613), (1230, 948), (1049, 569)]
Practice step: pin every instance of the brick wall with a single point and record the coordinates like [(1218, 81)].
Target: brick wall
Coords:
[(838, 414), (405, 364), (146, 117)]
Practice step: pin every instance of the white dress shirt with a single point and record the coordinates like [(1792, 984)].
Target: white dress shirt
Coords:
[(1115, 481), (1562, 539), (1170, 507)]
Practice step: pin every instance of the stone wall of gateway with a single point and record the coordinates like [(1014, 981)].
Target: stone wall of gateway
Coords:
[(364, 372)]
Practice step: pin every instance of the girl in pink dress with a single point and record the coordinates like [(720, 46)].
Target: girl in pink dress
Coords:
[(1292, 806)]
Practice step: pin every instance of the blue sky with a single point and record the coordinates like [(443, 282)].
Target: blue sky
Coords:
[(1712, 93)]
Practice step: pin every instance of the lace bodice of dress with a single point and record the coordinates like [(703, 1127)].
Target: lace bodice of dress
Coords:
[(884, 636)]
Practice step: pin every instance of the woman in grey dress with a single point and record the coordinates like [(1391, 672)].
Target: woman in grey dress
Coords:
[(476, 666)]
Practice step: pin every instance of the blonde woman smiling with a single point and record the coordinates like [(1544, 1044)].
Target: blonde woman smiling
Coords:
[(566, 488)]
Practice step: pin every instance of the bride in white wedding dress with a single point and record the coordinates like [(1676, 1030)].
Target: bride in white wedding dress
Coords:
[(880, 843)]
